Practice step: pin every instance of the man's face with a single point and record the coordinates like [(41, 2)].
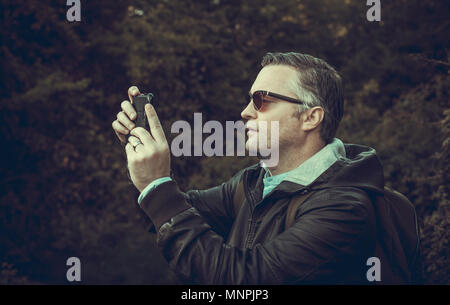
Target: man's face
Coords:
[(274, 78)]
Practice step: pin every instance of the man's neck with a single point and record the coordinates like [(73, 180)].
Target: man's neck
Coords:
[(293, 158)]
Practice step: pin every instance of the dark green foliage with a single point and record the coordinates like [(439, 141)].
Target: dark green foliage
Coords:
[(64, 189)]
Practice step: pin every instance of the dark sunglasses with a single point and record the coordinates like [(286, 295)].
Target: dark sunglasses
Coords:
[(258, 98)]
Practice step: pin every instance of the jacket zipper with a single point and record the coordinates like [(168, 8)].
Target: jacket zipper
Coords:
[(253, 224)]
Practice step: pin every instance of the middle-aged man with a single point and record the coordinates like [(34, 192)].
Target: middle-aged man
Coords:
[(206, 241)]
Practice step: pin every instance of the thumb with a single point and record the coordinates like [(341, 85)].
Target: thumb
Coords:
[(133, 91)]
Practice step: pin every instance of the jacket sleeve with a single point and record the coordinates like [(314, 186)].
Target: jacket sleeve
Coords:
[(322, 238), (214, 204)]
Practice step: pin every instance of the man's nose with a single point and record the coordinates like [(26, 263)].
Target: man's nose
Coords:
[(249, 112)]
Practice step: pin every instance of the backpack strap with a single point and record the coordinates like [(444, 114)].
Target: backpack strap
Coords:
[(295, 203)]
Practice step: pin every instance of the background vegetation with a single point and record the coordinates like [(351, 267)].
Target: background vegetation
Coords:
[(63, 185)]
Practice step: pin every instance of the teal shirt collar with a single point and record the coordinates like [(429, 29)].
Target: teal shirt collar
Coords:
[(309, 170)]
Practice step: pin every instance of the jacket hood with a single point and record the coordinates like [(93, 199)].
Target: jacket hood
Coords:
[(360, 168)]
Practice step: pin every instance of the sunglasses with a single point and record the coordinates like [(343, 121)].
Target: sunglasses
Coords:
[(259, 99)]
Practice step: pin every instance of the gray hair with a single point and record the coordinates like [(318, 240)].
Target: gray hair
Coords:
[(318, 84)]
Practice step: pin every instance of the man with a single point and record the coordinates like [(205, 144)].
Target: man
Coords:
[(334, 232)]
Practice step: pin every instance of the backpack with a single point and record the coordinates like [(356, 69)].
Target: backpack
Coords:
[(397, 245)]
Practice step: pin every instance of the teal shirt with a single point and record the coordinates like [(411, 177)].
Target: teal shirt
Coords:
[(271, 182)]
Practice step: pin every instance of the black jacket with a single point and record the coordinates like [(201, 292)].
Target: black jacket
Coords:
[(330, 242)]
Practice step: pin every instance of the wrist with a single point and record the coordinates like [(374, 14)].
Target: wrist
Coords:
[(141, 187)]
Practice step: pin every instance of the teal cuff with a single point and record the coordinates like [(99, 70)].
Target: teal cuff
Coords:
[(151, 186)]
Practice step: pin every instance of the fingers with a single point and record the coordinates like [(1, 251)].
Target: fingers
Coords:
[(133, 140), (129, 151), (123, 119), (124, 122), (155, 125), (122, 126), (144, 136), (128, 109), (133, 91), (136, 143), (120, 131)]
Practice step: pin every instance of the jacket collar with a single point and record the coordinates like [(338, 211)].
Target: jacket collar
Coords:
[(336, 165), (315, 166)]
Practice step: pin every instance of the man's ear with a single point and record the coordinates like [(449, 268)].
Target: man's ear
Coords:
[(312, 118)]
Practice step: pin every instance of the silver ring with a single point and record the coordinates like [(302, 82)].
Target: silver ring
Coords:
[(138, 142)]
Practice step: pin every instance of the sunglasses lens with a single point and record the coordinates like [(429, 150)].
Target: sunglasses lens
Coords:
[(258, 100)]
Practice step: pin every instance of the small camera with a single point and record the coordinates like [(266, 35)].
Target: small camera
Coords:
[(139, 103)]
